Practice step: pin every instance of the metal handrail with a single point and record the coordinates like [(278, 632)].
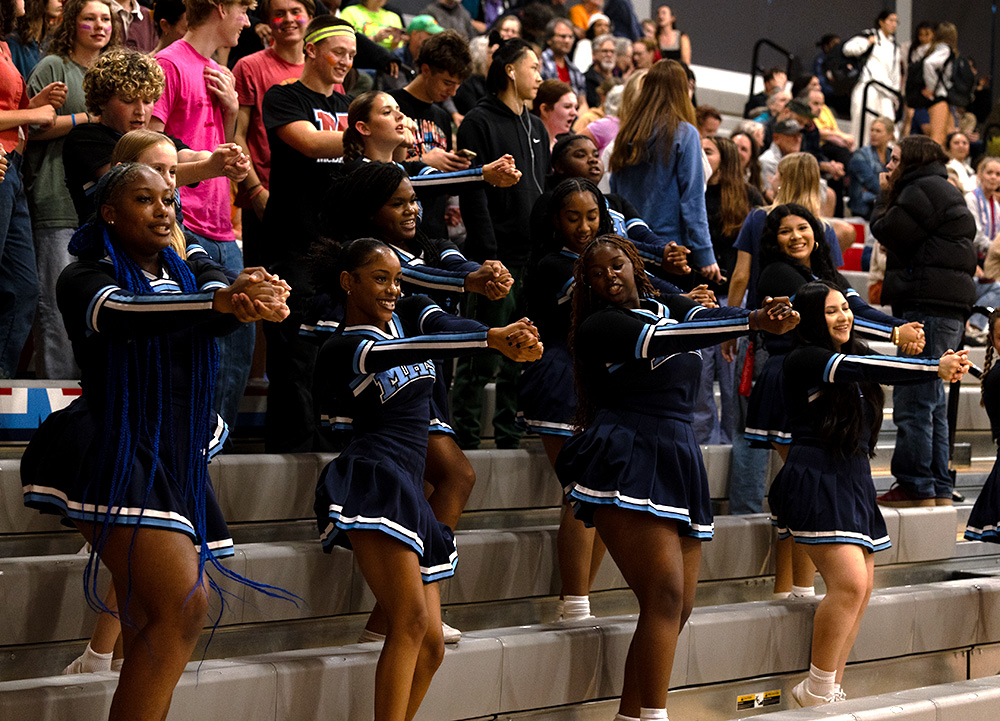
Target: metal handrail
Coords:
[(755, 68), (865, 109)]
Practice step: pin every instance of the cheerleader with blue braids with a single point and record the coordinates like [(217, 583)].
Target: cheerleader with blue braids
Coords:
[(126, 463), (378, 369)]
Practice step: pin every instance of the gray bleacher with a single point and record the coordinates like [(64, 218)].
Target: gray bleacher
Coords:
[(273, 660)]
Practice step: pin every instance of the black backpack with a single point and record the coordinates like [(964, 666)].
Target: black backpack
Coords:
[(963, 81), (914, 89), (843, 71)]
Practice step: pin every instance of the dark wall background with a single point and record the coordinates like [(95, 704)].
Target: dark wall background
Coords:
[(723, 33)]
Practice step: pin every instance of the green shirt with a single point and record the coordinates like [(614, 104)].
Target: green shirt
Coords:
[(44, 178), (368, 22)]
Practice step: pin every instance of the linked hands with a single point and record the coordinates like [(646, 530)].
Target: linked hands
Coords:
[(254, 295), (518, 341)]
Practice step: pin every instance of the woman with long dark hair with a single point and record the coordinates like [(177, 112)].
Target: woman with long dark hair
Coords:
[(635, 470), (378, 369), (824, 496), (656, 164), (126, 464), (728, 200)]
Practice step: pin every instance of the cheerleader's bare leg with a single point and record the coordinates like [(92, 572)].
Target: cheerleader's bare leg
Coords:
[(847, 569), (414, 647), (580, 549), (661, 568), (449, 479), (163, 603)]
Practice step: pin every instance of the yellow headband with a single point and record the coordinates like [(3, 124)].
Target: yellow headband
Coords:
[(329, 32)]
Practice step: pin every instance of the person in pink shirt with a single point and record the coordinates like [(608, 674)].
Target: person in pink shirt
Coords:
[(199, 107), (255, 74)]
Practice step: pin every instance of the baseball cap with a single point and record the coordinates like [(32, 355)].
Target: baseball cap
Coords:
[(791, 126), (427, 23), (800, 108)]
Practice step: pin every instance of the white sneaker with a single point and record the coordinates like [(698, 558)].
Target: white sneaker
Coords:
[(451, 635), (75, 667), (839, 696), (804, 698)]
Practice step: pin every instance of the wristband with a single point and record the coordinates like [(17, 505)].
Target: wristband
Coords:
[(258, 189), (72, 117)]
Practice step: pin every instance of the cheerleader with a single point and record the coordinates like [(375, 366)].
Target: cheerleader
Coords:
[(984, 521), (377, 200), (126, 463), (378, 368), (635, 471), (576, 212), (824, 496), (794, 251)]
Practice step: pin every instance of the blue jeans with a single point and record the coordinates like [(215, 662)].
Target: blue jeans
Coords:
[(235, 349), (709, 428), (748, 469), (920, 412), (18, 276), (53, 351)]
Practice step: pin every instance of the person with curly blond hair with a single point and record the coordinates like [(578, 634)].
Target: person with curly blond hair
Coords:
[(121, 88)]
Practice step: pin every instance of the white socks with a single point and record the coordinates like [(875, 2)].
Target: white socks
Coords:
[(802, 591), (652, 714), (575, 608), (89, 662), (821, 683), (620, 717), (116, 665)]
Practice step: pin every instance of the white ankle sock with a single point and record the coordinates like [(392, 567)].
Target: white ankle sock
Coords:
[(575, 607), (93, 661), (821, 683), (652, 714), (802, 591), (116, 665), (620, 717), (837, 688)]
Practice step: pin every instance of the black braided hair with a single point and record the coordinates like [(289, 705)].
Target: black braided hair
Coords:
[(585, 302)]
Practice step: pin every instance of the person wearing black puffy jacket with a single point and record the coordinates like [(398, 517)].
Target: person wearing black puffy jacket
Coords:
[(928, 233)]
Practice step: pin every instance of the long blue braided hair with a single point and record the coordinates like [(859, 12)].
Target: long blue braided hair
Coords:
[(139, 400)]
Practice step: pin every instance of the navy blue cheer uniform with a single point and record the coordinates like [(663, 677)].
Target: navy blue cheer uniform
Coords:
[(984, 520), (383, 380), (642, 369), (546, 390), (767, 415), (62, 470), (437, 271), (824, 494)]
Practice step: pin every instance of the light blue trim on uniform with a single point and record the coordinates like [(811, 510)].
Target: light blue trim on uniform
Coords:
[(223, 548), (581, 494), (817, 537)]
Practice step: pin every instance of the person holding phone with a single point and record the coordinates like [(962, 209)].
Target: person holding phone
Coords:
[(370, 18)]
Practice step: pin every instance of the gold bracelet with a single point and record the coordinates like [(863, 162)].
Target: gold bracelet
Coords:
[(895, 336)]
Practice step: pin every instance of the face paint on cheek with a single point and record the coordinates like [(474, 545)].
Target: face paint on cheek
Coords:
[(85, 26), (330, 59), (276, 23), (302, 19)]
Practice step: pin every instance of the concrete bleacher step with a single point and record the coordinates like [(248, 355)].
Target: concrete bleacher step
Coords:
[(497, 671), (40, 596), (976, 699)]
